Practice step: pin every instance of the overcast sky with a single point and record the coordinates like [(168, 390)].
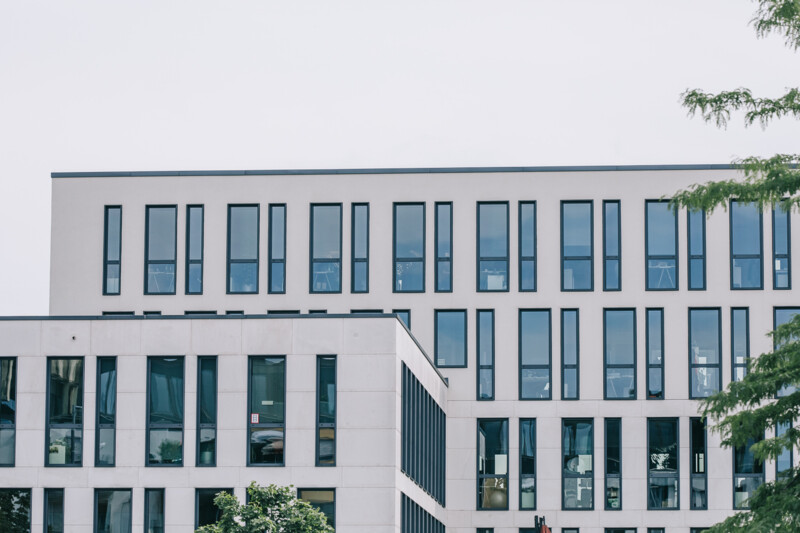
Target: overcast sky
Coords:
[(180, 85)]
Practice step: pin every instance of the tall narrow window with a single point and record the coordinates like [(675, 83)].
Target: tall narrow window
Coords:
[(105, 436), (746, 246), (699, 472), (705, 339), (655, 354), (359, 245), (662, 463), (326, 248), (165, 411), (740, 342), (613, 464), (450, 343), (696, 230), (612, 256), (112, 249), (444, 247), (277, 248), (64, 445), (781, 247), (194, 249), (53, 511), (570, 355), (784, 461), (534, 354), (577, 473), (782, 315), (205, 512), (160, 249), (485, 354), (661, 230), (409, 247), (527, 246), (154, 511), (619, 338), (492, 463), (577, 246), (206, 411), (492, 246), (112, 510), (8, 410), (267, 401), (322, 499), (243, 249), (326, 410), (527, 463), (748, 474)]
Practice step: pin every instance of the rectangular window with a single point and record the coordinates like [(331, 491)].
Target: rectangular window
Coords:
[(409, 247), (662, 463), (326, 410), (267, 408), (612, 254), (243, 232), (359, 246), (53, 511), (747, 246), (577, 473), (485, 344), (655, 354), (705, 339), (205, 512), (492, 246), (696, 231), (661, 245), (106, 420), (781, 247), (527, 246), (740, 342), (748, 474), (112, 249), (577, 246), (492, 464), (619, 343), (485, 530), (570, 355), (8, 410), (444, 247), (527, 463), (154, 511), (613, 464), (326, 248), (65, 412), (18, 508), (784, 461), (277, 249), (165, 411), (535, 354), (207, 410), (404, 315), (194, 249), (699, 473), (112, 510), (451, 338), (570, 530), (322, 499), (161, 226), (782, 315)]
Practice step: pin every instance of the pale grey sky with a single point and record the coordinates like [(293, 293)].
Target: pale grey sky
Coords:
[(179, 85)]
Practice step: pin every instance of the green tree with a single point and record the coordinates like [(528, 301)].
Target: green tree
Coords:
[(15, 510), (747, 408), (271, 509)]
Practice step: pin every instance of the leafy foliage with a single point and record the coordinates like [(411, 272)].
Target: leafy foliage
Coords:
[(779, 16), (271, 509), (15, 510), (718, 107)]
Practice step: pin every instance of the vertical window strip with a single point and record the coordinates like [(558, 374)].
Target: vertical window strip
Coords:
[(696, 244), (106, 412), (450, 337), (661, 246), (613, 449), (154, 511), (492, 246), (485, 343), (444, 246), (748, 474), (535, 354), (746, 246), (619, 350), (243, 248), (527, 464), (277, 249), (663, 464), (160, 249), (612, 242), (740, 342), (705, 339), (781, 247), (326, 411), (577, 475), (785, 460), (195, 233), (53, 511), (359, 247), (207, 380), (8, 414), (527, 246), (570, 354), (577, 245), (409, 247), (492, 441), (266, 389), (325, 274), (698, 469), (165, 411), (655, 354), (112, 249), (64, 411)]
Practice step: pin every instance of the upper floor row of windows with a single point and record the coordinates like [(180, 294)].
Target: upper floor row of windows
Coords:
[(493, 257)]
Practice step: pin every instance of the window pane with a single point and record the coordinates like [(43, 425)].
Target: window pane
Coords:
[(444, 276), (244, 232), (696, 273), (578, 446), (696, 233), (65, 446), (278, 275), (207, 512), (493, 447), (443, 230), (654, 388), (207, 411), (409, 231), (485, 384), (114, 222), (535, 337), (267, 388), (107, 394), (244, 277), (8, 391), (663, 493), (451, 333), (654, 340), (322, 499), (195, 243), (154, 500), (266, 445), (106, 443), (661, 227), (527, 246), (66, 391), (7, 443), (612, 275), (577, 229), (744, 462), (493, 275), (408, 275), (486, 338), (619, 338), (528, 276), (663, 445), (327, 220), (112, 511), (166, 446), (53, 511), (740, 331), (577, 274), (493, 230), (208, 447), (569, 346), (161, 278), (746, 273), (698, 446), (166, 390), (578, 492), (613, 446), (704, 335), (161, 233), (327, 390), (611, 220), (277, 232), (661, 274), (745, 229)]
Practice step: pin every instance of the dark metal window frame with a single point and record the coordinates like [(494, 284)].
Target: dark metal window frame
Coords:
[(189, 260), (480, 477), (549, 365), (692, 475), (692, 365), (734, 365), (48, 491), (788, 255), (147, 493), (608, 476), (532, 421), (694, 257), (760, 255), (271, 261), (250, 425), (480, 259), (478, 364), (106, 260), (353, 259), (527, 258), (201, 426), (565, 474), (98, 424), (590, 257), (606, 256), (648, 256), (436, 313), (577, 365), (676, 475), (312, 260), (648, 347), (148, 261), (151, 426), (606, 364), (395, 258), (13, 425), (197, 501), (446, 259), (110, 489), (326, 425), (49, 425), (255, 261)]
